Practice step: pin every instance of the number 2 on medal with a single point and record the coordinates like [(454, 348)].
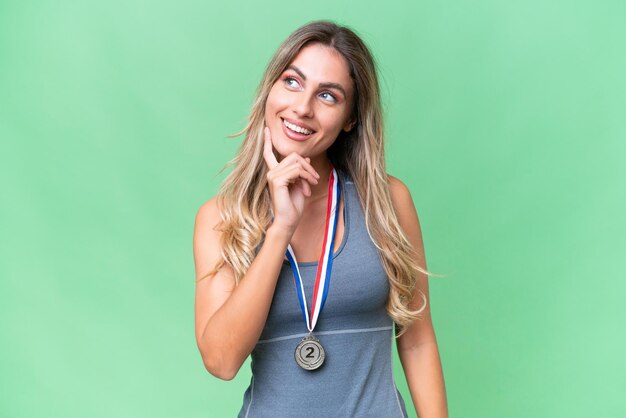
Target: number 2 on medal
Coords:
[(310, 352)]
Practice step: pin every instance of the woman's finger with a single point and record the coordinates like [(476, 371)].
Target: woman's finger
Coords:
[(268, 152), (304, 162), (295, 171), (310, 168), (306, 187)]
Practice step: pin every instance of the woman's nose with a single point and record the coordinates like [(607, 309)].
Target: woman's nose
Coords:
[(302, 107)]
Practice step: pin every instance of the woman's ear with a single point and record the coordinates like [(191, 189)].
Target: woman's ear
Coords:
[(349, 125)]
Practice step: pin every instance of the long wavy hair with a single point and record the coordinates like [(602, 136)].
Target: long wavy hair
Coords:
[(244, 201)]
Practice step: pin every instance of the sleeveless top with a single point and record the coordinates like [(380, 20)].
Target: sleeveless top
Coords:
[(356, 379)]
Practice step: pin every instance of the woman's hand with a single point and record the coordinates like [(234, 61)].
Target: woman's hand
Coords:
[(288, 183)]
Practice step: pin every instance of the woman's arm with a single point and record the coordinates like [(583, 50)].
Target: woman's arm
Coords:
[(417, 347), (229, 319)]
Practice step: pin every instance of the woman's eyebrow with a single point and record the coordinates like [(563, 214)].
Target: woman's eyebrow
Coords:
[(323, 85)]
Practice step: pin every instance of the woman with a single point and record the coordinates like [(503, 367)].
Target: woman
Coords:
[(309, 182)]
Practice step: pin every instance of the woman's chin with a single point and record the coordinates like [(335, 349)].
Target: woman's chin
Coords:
[(284, 150)]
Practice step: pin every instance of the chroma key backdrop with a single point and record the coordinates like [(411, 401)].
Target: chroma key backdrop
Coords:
[(506, 120)]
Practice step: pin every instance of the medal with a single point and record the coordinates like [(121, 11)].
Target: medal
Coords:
[(309, 353)]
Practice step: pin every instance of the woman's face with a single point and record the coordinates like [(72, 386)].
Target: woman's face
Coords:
[(313, 96)]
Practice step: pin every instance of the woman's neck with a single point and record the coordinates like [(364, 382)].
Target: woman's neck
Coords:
[(322, 165)]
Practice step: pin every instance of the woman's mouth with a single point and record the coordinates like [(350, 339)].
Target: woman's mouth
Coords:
[(296, 132)]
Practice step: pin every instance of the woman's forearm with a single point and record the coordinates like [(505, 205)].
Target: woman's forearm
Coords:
[(424, 374)]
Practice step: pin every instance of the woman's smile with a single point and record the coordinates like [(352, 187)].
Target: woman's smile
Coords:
[(296, 132)]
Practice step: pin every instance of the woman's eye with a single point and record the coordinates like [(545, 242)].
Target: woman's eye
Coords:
[(329, 96), (291, 82)]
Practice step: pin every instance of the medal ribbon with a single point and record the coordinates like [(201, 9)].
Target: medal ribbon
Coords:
[(324, 267)]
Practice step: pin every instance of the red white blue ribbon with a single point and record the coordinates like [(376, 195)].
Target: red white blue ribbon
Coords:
[(325, 265)]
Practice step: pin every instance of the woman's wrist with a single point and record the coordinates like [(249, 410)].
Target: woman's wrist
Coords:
[(280, 232)]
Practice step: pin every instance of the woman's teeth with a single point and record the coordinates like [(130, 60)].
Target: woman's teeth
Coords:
[(296, 128)]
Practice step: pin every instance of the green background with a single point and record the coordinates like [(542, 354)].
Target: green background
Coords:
[(505, 119)]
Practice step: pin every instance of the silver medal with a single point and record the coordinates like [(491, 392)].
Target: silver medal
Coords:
[(310, 353)]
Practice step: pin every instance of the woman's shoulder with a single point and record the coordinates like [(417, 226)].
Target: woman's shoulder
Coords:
[(400, 197), (208, 216), (397, 188), (207, 247)]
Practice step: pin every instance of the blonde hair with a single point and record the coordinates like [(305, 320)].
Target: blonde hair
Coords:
[(243, 198)]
